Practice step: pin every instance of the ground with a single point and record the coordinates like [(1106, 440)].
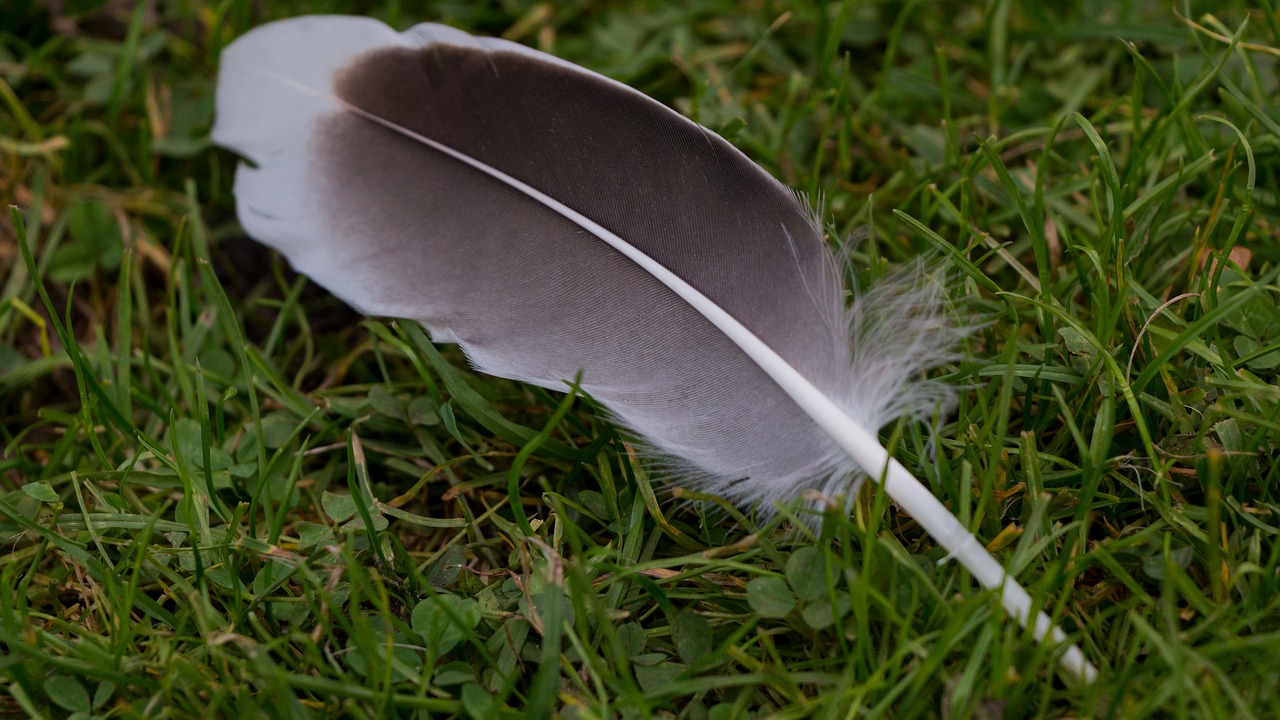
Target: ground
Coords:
[(224, 494)]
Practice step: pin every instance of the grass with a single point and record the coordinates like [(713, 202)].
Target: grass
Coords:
[(225, 495)]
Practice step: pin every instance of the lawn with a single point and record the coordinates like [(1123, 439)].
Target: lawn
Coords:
[(224, 494)]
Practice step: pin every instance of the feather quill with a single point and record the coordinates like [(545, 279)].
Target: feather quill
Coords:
[(552, 221)]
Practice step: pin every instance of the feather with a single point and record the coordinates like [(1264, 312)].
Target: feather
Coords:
[(552, 221)]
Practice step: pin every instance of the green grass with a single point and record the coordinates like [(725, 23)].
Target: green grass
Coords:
[(222, 494)]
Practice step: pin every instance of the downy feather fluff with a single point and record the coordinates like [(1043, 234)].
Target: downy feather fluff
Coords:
[(552, 221)]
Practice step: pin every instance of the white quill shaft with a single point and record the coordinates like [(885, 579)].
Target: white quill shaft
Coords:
[(550, 220), (869, 454)]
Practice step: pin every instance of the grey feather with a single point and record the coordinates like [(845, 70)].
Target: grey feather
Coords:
[(552, 221)]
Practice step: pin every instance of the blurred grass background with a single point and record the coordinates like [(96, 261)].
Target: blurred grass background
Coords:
[(223, 494)]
